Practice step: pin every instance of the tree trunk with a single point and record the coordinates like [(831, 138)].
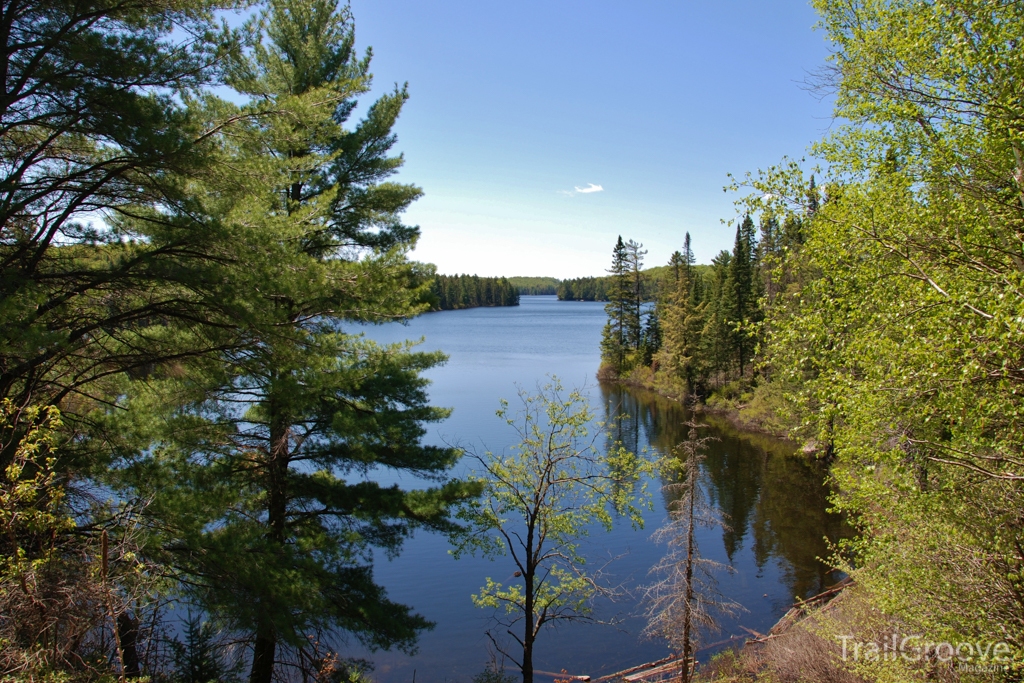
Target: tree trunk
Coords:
[(277, 509), (263, 656), (529, 631), (128, 633), (688, 610), (528, 657)]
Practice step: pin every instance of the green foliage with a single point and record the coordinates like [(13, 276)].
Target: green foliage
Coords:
[(491, 674), (70, 598), (535, 285), (544, 495), (254, 459), (895, 323), (198, 656), (597, 288), (682, 314), (583, 289), (469, 291), (192, 336), (624, 343), (96, 121), (33, 519), (710, 316)]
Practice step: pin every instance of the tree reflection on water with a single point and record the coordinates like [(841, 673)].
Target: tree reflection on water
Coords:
[(772, 497)]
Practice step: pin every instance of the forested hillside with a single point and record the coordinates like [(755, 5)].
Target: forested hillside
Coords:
[(535, 285), (470, 291), (597, 288), (876, 313)]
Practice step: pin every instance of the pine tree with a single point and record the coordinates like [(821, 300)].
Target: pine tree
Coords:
[(256, 498), (633, 310)]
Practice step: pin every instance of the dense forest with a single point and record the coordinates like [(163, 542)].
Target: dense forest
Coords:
[(598, 288), (702, 330), (469, 291), (876, 314), (535, 286), (583, 289)]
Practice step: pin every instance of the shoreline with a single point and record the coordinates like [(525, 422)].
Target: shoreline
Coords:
[(732, 414)]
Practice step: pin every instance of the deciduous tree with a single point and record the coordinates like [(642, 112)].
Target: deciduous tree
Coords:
[(540, 499)]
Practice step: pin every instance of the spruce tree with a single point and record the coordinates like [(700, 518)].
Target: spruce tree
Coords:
[(812, 198), (682, 323), (688, 258), (677, 266), (614, 337), (739, 290), (717, 337)]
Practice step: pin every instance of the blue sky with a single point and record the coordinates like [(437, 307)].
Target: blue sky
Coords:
[(515, 105)]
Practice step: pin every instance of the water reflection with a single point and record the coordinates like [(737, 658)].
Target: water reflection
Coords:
[(775, 500), (772, 499)]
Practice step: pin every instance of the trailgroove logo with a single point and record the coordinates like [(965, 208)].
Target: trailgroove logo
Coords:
[(973, 657)]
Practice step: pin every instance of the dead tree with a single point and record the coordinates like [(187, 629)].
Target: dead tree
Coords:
[(682, 605)]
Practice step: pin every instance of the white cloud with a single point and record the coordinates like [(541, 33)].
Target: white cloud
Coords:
[(591, 187)]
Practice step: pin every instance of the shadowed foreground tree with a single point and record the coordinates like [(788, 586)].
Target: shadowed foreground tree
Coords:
[(99, 121), (262, 465), (539, 500)]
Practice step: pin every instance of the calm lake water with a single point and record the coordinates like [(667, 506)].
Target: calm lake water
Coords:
[(775, 500)]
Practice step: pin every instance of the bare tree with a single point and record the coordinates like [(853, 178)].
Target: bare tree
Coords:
[(683, 603)]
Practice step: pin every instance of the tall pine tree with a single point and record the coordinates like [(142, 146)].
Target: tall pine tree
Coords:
[(264, 499), (634, 308)]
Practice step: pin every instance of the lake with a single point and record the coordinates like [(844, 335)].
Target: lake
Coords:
[(774, 499)]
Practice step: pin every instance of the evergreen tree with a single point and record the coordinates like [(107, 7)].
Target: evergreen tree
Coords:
[(199, 657), (739, 290), (463, 291), (652, 337), (633, 308), (98, 116), (717, 336), (683, 326), (677, 266), (108, 266), (256, 495), (812, 198), (584, 289), (614, 344), (688, 258)]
